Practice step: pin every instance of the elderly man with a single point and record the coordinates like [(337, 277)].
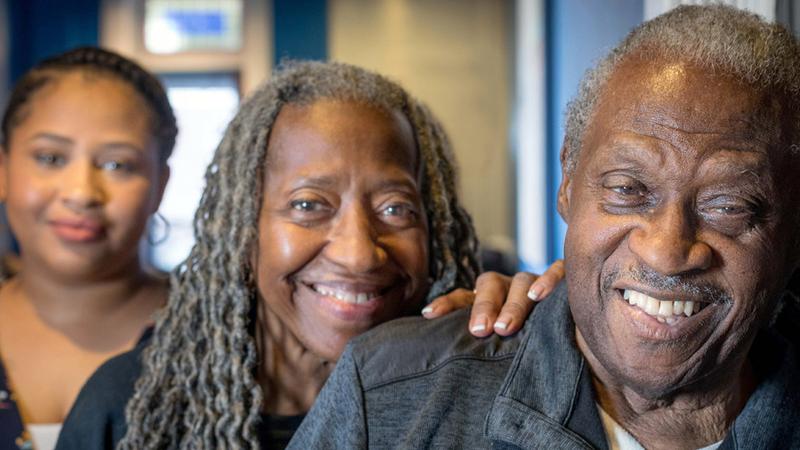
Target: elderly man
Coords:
[(681, 196)]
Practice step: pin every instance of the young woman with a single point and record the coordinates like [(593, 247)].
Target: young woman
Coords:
[(330, 207), (85, 141)]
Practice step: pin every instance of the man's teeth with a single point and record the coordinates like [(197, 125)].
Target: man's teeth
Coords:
[(345, 296), (664, 311)]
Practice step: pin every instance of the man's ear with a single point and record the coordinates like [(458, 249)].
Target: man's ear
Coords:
[(564, 190)]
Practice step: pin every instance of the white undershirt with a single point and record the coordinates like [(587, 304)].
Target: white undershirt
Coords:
[(619, 439), (44, 435)]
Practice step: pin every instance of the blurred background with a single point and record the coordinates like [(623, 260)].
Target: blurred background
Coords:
[(498, 73)]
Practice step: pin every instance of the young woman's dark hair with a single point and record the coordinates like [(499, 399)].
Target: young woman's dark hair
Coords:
[(99, 61)]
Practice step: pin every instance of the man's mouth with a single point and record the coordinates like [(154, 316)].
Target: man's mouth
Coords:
[(665, 311), (346, 295)]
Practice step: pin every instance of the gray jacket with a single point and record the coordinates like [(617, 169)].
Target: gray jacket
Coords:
[(415, 384)]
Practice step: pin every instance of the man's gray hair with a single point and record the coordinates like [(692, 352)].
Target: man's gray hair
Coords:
[(719, 38)]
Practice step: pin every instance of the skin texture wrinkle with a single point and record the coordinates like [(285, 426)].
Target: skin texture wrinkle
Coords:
[(676, 221)]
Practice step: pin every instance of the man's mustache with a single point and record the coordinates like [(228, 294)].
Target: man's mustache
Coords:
[(682, 285)]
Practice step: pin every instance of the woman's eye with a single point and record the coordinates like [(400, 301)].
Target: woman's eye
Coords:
[(49, 159), (397, 210), (116, 166), (398, 214), (306, 205)]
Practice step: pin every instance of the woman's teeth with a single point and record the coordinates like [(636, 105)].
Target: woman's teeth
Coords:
[(664, 311), (345, 296)]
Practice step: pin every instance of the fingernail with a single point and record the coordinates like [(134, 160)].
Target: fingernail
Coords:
[(474, 291), (533, 294), (427, 310), (478, 327), (501, 325)]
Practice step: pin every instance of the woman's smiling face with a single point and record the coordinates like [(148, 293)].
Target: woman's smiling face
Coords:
[(81, 175), (343, 234)]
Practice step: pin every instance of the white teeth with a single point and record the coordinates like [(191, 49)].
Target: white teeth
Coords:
[(652, 306), (664, 311), (348, 297)]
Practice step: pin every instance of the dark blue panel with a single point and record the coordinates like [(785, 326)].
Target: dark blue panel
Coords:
[(579, 32), (41, 28), (301, 29)]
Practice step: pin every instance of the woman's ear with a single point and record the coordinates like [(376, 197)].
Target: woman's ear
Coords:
[(3, 172)]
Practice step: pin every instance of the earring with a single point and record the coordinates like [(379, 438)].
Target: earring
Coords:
[(157, 217)]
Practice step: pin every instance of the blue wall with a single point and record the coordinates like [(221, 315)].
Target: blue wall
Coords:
[(301, 29), (579, 32), (41, 28)]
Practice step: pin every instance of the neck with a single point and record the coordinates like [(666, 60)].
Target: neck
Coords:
[(290, 375), (66, 301), (689, 419)]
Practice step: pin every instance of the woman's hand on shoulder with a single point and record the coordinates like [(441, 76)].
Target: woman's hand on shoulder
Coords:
[(500, 303)]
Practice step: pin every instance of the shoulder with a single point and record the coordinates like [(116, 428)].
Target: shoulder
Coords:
[(115, 379), (97, 419), (415, 346)]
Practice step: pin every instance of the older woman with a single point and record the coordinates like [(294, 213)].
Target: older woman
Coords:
[(330, 207)]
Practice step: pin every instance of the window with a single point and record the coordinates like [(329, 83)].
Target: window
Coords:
[(203, 105), (172, 26)]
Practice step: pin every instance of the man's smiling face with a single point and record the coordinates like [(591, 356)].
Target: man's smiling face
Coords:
[(678, 227)]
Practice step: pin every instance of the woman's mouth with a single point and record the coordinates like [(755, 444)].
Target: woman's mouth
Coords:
[(344, 295), (79, 231)]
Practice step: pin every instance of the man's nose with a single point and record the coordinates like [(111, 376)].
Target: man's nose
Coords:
[(82, 185), (668, 242), (353, 242)]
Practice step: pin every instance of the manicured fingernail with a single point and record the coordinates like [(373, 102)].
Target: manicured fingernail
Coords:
[(478, 327), (533, 294), (427, 310), (501, 325)]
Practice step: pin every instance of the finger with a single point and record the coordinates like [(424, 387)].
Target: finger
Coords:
[(547, 282), (445, 304), (517, 305), (491, 289)]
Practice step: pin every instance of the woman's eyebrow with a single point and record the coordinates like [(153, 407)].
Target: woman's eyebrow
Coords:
[(121, 146), (394, 184), (321, 181), (51, 137)]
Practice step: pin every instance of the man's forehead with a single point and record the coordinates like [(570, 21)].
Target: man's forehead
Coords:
[(658, 97)]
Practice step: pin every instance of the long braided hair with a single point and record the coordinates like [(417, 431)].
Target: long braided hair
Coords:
[(198, 387)]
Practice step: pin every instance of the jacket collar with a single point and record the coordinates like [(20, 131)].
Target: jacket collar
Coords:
[(547, 398)]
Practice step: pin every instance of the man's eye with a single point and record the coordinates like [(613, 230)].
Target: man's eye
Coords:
[(49, 159), (628, 190)]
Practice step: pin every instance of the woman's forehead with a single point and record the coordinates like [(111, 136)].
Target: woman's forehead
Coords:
[(341, 131)]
